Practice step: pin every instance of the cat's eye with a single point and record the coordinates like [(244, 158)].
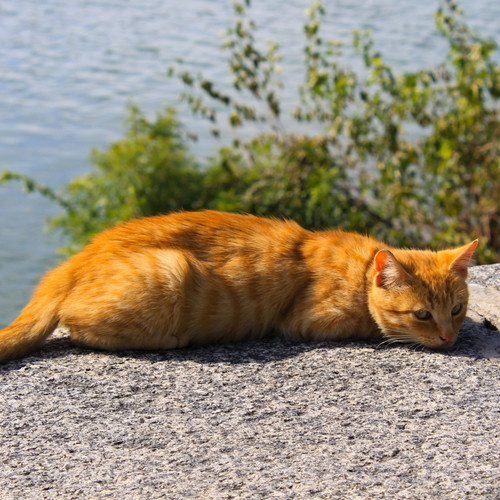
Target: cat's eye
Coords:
[(423, 315), (456, 309)]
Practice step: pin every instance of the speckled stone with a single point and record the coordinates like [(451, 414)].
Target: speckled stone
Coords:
[(484, 288), (267, 419)]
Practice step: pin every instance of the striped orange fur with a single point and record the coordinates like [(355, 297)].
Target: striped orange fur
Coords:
[(191, 278)]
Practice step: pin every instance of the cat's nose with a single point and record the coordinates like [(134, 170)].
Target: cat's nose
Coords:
[(447, 337)]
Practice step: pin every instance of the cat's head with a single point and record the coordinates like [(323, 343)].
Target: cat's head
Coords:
[(421, 296)]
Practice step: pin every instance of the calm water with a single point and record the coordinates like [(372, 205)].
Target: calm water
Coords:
[(68, 69)]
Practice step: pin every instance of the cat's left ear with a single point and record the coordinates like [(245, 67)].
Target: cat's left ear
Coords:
[(460, 259), (388, 272)]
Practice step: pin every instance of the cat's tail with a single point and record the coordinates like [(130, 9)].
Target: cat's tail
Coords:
[(37, 320)]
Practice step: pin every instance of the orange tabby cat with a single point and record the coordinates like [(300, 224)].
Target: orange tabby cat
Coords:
[(190, 278)]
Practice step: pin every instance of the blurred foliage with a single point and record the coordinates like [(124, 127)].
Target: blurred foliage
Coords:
[(411, 158), (149, 171)]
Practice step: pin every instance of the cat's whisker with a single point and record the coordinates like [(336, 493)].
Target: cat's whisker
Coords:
[(397, 336), (383, 343), (395, 340)]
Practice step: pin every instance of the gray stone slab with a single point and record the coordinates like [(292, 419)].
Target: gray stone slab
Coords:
[(268, 419), (484, 288)]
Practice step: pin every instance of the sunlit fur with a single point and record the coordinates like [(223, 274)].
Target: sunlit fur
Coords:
[(429, 284), (191, 278)]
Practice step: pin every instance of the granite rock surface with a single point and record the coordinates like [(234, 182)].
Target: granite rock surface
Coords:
[(267, 419)]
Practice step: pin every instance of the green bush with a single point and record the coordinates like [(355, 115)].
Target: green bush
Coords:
[(438, 186), (147, 172)]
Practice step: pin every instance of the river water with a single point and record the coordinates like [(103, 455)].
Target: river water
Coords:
[(68, 69)]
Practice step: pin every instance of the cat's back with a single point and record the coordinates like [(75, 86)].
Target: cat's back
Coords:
[(203, 232)]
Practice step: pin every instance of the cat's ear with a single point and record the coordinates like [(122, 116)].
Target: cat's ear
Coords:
[(388, 272), (460, 259)]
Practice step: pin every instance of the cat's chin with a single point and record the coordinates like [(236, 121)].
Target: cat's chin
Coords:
[(437, 343), (442, 346)]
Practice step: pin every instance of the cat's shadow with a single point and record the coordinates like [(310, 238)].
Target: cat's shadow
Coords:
[(476, 340), (263, 351)]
